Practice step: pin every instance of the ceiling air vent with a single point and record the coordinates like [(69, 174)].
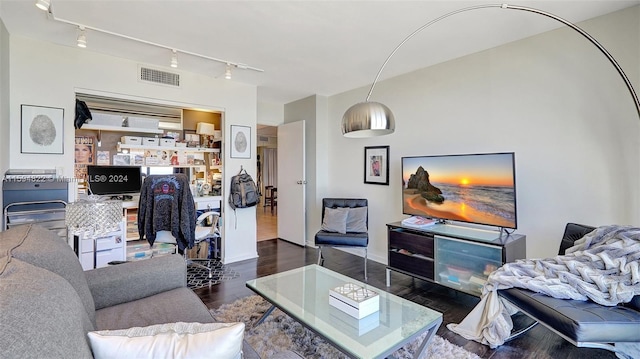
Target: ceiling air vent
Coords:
[(159, 77)]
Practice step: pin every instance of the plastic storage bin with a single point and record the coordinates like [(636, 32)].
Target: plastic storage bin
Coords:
[(104, 119), (131, 140), (138, 252), (143, 122), (162, 249), (169, 142), (150, 141)]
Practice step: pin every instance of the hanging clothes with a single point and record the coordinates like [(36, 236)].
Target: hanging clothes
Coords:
[(166, 204)]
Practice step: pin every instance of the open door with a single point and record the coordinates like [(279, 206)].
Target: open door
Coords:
[(291, 183)]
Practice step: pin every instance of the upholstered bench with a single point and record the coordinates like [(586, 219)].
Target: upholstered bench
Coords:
[(582, 323)]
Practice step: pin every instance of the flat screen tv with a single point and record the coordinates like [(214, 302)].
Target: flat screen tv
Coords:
[(471, 188), (114, 180)]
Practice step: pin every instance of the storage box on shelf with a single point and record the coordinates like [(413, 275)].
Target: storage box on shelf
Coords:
[(140, 250), (457, 257), (149, 123), (137, 252), (104, 119), (162, 249), (150, 141), (131, 140), (119, 128), (168, 142)]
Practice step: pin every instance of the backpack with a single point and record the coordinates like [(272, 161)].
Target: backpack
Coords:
[(243, 192)]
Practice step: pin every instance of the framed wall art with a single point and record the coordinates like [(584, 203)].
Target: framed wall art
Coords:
[(376, 165), (240, 141), (42, 129)]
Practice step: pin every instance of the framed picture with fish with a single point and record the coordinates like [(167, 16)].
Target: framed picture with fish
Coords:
[(42, 129)]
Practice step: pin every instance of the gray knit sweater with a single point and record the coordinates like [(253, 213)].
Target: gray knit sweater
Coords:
[(166, 204)]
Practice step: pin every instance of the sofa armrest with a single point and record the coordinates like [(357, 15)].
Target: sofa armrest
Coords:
[(130, 281)]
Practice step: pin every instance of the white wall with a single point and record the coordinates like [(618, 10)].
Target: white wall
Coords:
[(48, 75), (4, 100), (270, 113), (554, 99)]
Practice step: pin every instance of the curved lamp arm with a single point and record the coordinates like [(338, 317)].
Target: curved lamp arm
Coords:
[(606, 53), (372, 118)]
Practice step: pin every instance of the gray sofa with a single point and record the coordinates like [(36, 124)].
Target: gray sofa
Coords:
[(48, 303)]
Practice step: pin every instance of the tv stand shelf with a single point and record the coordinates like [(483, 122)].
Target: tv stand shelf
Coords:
[(454, 256)]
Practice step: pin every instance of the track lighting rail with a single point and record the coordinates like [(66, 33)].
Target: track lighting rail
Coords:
[(238, 65)]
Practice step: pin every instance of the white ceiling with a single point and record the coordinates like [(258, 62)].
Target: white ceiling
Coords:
[(304, 47)]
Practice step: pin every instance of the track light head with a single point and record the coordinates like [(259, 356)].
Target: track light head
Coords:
[(174, 59), (82, 39), (46, 5), (227, 72), (43, 4)]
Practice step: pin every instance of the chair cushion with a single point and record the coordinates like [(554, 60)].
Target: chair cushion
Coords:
[(581, 321), (340, 239), (335, 220), (344, 202), (357, 219)]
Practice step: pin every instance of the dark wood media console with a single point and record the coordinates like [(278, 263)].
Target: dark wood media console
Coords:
[(454, 256)]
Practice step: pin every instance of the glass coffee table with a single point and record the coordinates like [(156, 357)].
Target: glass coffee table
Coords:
[(303, 294)]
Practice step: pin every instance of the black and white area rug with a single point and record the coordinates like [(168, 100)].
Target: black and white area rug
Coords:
[(198, 277)]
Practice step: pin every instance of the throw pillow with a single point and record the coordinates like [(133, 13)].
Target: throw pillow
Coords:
[(357, 220), (335, 220), (172, 340)]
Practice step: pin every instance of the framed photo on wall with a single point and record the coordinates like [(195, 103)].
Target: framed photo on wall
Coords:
[(41, 129), (240, 141), (376, 165)]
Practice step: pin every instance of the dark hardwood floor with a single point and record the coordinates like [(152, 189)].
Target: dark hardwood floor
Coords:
[(278, 256)]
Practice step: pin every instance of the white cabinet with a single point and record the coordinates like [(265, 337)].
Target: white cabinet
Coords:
[(96, 251)]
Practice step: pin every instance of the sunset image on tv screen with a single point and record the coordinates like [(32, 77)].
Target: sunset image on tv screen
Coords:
[(477, 188)]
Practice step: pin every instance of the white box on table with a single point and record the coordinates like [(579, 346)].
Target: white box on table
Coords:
[(355, 300)]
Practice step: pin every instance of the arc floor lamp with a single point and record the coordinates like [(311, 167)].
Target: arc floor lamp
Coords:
[(368, 119)]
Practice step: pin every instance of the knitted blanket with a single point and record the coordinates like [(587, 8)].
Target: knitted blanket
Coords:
[(603, 266)]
